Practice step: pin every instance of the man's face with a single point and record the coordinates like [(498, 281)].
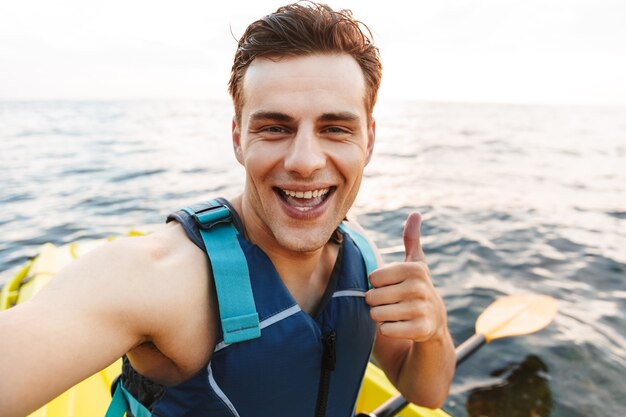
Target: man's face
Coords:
[(304, 140)]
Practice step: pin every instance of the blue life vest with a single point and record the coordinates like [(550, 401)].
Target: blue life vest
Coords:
[(278, 360)]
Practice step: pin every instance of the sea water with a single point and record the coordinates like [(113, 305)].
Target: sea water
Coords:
[(515, 199)]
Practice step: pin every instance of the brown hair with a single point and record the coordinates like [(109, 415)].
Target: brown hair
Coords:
[(305, 28)]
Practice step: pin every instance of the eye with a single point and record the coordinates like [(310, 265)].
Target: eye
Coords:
[(274, 129), (336, 130), (269, 130)]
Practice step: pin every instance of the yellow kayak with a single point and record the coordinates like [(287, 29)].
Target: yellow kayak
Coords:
[(91, 397)]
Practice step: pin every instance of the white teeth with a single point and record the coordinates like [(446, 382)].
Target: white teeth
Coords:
[(307, 194)]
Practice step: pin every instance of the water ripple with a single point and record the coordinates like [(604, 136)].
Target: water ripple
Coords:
[(137, 174), (515, 199)]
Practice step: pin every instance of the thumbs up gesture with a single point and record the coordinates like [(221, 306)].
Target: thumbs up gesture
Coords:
[(404, 301)]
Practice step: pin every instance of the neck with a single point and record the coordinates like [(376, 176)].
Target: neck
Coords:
[(304, 273), (259, 234)]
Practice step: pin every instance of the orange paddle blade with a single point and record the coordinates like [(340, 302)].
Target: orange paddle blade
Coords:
[(516, 315)]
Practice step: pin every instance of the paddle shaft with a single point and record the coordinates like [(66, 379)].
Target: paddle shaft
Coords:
[(397, 403), (467, 348)]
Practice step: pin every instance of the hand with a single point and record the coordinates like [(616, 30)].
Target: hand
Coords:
[(404, 301)]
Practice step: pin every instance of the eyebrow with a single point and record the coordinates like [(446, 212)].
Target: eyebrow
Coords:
[(270, 115), (338, 117), (282, 117)]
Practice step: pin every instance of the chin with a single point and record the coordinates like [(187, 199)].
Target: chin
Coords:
[(303, 241)]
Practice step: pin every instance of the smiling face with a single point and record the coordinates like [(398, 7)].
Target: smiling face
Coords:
[(304, 139)]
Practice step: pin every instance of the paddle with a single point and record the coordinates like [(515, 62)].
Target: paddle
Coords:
[(513, 315)]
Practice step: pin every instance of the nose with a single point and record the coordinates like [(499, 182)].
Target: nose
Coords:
[(305, 155)]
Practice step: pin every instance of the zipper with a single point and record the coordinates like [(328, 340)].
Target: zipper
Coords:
[(329, 357)]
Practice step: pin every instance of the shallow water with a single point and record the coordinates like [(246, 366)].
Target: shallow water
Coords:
[(515, 199)]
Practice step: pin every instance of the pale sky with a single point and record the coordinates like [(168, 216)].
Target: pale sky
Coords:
[(528, 51)]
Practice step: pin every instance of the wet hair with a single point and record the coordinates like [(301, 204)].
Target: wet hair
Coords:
[(306, 28)]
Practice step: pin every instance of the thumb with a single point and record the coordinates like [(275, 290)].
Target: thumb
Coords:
[(411, 236)]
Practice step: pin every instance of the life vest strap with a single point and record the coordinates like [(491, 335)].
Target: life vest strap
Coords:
[(122, 401), (361, 242), (240, 320)]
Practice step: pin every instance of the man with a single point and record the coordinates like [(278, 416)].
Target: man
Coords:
[(281, 320)]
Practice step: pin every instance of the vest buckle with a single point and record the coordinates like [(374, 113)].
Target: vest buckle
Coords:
[(211, 216)]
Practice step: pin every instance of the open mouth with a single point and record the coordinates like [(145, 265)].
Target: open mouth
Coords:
[(304, 201)]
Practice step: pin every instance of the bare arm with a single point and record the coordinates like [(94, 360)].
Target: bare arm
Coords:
[(421, 370), (70, 330), (101, 306), (413, 344)]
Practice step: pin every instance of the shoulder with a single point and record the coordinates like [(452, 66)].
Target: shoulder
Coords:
[(145, 265), (172, 294), (136, 276), (166, 248), (163, 271)]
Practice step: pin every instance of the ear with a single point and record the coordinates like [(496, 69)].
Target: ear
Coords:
[(236, 134), (371, 138)]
